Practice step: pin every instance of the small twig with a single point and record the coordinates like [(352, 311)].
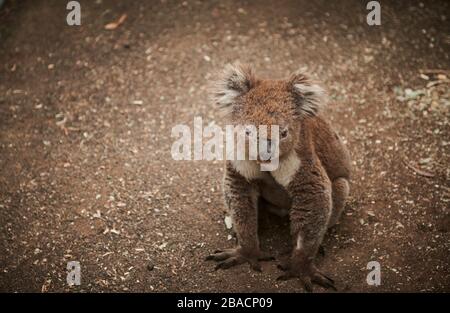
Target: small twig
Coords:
[(434, 71), (438, 82), (418, 170)]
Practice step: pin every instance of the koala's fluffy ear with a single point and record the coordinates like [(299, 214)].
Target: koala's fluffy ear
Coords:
[(309, 97), (234, 81)]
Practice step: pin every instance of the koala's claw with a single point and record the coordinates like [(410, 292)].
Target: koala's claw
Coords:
[(307, 277), (231, 257)]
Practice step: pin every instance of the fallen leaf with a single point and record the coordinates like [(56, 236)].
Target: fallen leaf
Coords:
[(114, 25)]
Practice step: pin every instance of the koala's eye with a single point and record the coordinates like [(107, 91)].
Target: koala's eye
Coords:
[(284, 133)]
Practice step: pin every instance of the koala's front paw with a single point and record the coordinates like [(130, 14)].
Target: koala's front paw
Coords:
[(307, 273), (231, 257)]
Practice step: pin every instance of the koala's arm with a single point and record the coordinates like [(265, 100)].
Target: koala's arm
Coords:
[(310, 190), (240, 199), (311, 208)]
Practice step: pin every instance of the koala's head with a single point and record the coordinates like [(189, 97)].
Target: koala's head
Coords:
[(248, 100)]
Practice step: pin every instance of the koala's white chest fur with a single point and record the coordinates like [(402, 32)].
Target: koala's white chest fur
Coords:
[(249, 169), (283, 175), (286, 169)]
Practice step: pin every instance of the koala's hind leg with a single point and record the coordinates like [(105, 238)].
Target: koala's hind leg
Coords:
[(340, 191)]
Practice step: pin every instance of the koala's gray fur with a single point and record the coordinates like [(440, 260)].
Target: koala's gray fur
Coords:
[(311, 182)]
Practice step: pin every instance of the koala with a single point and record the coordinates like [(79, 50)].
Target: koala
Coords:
[(311, 183)]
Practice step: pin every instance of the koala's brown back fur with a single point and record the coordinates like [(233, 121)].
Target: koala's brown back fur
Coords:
[(329, 148)]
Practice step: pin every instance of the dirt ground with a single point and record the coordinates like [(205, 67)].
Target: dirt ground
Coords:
[(86, 115)]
